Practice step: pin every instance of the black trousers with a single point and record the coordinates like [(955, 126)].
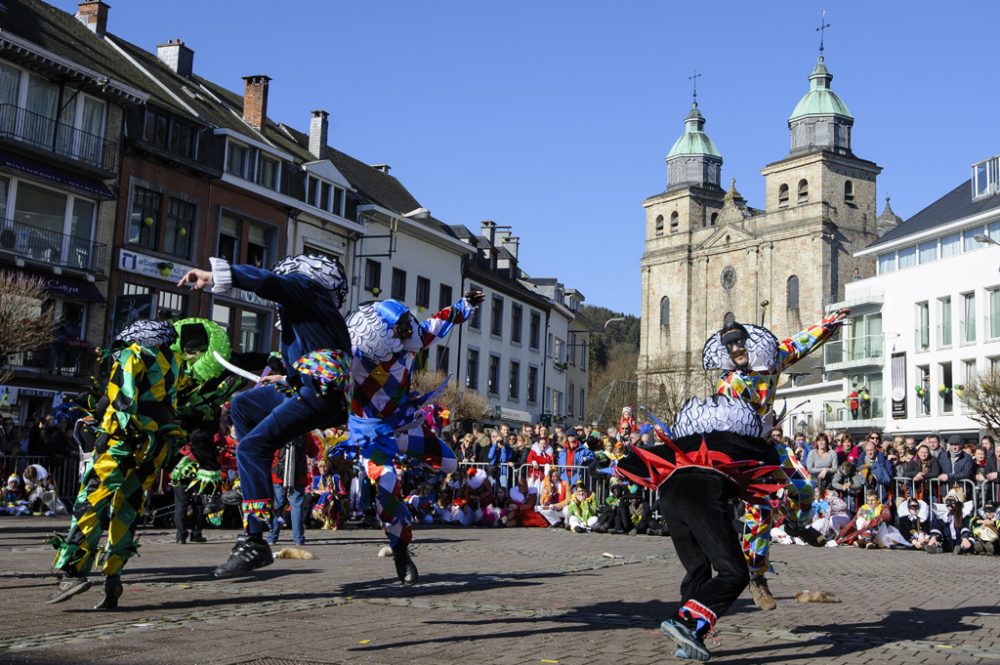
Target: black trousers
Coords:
[(189, 511), (696, 508)]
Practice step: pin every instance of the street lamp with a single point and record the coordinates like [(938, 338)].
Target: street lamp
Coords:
[(612, 320), (985, 239)]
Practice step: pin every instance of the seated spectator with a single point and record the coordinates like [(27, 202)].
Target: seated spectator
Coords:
[(327, 492), (639, 512), (36, 481), (822, 462), (986, 530), (553, 498), (520, 511), (921, 469), (951, 531), (612, 517), (581, 510), (847, 480), (481, 498), (453, 501), (14, 502), (829, 512), (871, 527), (956, 464), (914, 522)]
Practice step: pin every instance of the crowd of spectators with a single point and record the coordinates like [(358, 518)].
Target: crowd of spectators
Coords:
[(876, 491)]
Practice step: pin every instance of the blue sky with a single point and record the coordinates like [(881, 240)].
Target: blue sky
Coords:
[(555, 117)]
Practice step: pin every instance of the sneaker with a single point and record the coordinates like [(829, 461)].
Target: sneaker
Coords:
[(933, 549), (689, 644), (600, 529), (67, 588), (762, 597), (406, 570), (579, 529), (247, 555), (633, 532), (112, 592), (198, 538), (806, 534)]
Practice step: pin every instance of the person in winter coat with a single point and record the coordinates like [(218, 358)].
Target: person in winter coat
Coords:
[(876, 470), (956, 464), (922, 468), (574, 455)]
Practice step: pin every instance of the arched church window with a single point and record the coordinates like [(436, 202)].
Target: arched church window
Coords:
[(665, 311), (803, 191), (715, 218), (783, 196), (675, 222), (848, 191), (659, 225), (792, 293)]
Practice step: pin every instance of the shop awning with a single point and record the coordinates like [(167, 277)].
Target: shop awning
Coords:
[(56, 175), (70, 288)]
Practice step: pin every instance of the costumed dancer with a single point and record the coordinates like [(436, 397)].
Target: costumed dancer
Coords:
[(752, 360), (137, 435), (386, 419), (714, 456), (197, 476), (315, 347)]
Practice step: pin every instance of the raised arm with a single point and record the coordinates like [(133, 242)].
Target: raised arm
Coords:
[(291, 290), (439, 325), (801, 344)]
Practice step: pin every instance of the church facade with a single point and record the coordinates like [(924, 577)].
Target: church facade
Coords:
[(709, 256)]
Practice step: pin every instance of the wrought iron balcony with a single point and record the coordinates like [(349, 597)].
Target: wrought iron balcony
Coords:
[(52, 247), (57, 360), (49, 135)]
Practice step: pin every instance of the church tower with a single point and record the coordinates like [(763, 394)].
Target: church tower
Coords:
[(825, 195), (678, 219)]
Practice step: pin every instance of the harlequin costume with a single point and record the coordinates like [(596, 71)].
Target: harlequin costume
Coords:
[(315, 346), (716, 455), (755, 383), (197, 476), (387, 420), (137, 435)]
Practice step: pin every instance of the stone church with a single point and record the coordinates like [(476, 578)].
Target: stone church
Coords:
[(710, 256)]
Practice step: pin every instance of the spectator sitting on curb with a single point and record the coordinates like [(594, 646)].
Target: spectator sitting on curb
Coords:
[(951, 532), (554, 496), (913, 523), (986, 531), (582, 509)]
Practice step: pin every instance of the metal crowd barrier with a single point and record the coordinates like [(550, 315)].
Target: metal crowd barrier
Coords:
[(64, 473)]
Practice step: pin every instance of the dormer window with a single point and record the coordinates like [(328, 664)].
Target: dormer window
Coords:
[(253, 165), (237, 160), (324, 195), (985, 177), (267, 174)]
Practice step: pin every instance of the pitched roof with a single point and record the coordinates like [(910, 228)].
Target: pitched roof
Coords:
[(953, 206), (64, 35)]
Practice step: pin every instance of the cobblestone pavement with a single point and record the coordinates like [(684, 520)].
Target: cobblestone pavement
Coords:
[(488, 596)]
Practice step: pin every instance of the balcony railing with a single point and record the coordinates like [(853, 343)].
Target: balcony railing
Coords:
[(44, 133), (838, 414), (58, 359), (854, 352), (53, 247)]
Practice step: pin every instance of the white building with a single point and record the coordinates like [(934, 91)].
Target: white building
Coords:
[(928, 321)]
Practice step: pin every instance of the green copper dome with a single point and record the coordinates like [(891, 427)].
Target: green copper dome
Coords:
[(694, 140), (820, 100)]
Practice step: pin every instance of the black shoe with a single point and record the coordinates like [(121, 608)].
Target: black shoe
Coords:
[(600, 529), (406, 570), (196, 537), (247, 555), (112, 592), (182, 537), (68, 587), (579, 529), (807, 534)]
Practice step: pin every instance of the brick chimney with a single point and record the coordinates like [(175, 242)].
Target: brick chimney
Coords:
[(319, 125), (255, 100), (94, 15), (175, 55)]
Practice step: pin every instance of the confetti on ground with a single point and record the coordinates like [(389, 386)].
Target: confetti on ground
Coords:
[(546, 660), (364, 641)]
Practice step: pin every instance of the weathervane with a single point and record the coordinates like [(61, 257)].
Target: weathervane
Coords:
[(823, 25), (694, 84)]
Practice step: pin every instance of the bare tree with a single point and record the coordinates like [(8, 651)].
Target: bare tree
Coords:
[(26, 324), (612, 386), (982, 397), (670, 386), (464, 406)]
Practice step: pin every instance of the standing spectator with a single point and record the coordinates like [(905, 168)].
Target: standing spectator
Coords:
[(956, 464), (574, 455), (865, 400), (979, 465), (921, 469), (822, 462), (289, 475), (540, 457), (876, 470), (933, 442), (466, 451), (501, 459), (986, 443), (848, 481), (852, 402)]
